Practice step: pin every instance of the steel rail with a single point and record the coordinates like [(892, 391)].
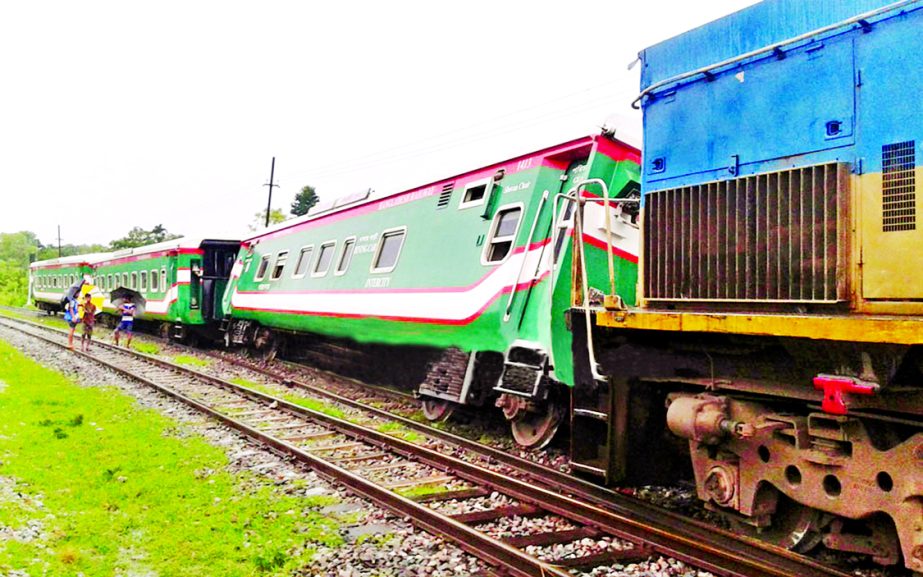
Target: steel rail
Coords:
[(493, 551), (694, 549), (564, 483)]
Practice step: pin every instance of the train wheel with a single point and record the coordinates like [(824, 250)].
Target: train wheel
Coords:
[(533, 424), (794, 526), (437, 409), (535, 430)]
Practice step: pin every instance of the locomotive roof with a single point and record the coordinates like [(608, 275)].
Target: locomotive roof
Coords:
[(624, 139), (763, 24)]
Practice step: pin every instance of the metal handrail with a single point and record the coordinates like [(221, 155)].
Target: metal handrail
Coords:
[(522, 267)]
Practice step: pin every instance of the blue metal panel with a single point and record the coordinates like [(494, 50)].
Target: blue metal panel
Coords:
[(768, 110), (840, 98), (749, 29), (890, 61)]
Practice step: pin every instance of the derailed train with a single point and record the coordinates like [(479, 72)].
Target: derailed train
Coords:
[(767, 340)]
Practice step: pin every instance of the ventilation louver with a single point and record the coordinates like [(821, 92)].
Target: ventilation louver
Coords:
[(898, 186), (445, 196)]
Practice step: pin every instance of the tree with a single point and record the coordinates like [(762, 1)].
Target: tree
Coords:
[(17, 250), (259, 218), (304, 200), (140, 237)]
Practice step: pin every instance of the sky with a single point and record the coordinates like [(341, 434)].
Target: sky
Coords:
[(119, 114)]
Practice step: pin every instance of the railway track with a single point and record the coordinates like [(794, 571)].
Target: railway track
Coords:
[(379, 467)]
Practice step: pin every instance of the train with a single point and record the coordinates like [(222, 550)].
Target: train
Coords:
[(740, 305), (472, 272), (182, 282)]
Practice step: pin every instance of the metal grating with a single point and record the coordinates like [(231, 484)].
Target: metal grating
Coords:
[(773, 237), (898, 186), (445, 196)]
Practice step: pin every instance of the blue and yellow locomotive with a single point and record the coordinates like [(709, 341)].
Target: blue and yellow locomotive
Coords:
[(780, 319)]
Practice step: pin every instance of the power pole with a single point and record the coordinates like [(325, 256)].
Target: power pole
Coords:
[(272, 174), (59, 241)]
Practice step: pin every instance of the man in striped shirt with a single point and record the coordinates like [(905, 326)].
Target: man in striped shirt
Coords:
[(127, 310)]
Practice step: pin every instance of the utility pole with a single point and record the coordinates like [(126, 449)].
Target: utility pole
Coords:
[(272, 174), (59, 241)]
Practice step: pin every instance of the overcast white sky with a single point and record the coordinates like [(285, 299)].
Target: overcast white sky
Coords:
[(170, 112)]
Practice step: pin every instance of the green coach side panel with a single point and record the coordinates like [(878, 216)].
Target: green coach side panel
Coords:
[(50, 279), (162, 273), (463, 262)]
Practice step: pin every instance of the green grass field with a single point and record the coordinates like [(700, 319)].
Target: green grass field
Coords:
[(128, 491)]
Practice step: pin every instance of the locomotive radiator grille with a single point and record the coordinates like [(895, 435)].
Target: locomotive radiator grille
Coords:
[(772, 237)]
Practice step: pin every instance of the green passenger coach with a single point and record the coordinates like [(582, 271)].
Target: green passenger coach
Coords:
[(50, 279), (475, 270), (181, 281)]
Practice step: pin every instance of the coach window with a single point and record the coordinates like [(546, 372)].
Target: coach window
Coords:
[(264, 266), (110, 283), (475, 193), (163, 279), (324, 258), (346, 255), (281, 259), (304, 261), (125, 279), (389, 249), (502, 235), (144, 281), (155, 285), (134, 281)]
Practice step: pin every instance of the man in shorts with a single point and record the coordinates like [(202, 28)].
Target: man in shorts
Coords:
[(127, 310), (88, 320)]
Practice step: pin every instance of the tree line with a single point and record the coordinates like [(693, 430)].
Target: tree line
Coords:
[(19, 249)]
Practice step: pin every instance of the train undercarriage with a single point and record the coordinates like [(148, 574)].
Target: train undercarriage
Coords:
[(795, 442), (517, 384)]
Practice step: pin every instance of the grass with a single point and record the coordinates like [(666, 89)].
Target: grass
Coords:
[(191, 361), (423, 490), (396, 429), (391, 428), (246, 383), (125, 492), (146, 348), (313, 404)]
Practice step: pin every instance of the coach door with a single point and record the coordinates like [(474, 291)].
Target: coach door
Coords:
[(195, 284)]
